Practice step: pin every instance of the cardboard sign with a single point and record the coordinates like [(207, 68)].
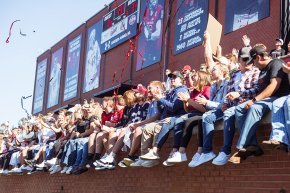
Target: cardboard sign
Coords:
[(214, 28)]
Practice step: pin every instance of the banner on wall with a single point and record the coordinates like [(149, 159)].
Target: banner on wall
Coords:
[(39, 86), (240, 13), (93, 58), (72, 68), (150, 39), (190, 24), (119, 25), (54, 78)]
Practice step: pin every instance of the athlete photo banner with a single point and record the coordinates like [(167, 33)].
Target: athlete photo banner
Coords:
[(72, 68), (39, 86), (240, 13), (150, 39), (54, 78), (93, 58), (190, 24)]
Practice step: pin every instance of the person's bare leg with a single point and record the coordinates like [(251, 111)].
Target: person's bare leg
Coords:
[(92, 143), (136, 142), (23, 156), (99, 142), (119, 143), (111, 141)]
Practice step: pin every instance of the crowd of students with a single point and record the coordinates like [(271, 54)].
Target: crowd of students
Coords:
[(239, 89)]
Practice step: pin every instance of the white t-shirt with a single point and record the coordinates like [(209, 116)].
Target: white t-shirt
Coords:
[(45, 132)]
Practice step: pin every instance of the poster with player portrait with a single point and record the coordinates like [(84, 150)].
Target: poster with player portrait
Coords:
[(190, 24), (150, 39), (72, 68), (240, 13), (93, 58), (54, 78), (39, 86)]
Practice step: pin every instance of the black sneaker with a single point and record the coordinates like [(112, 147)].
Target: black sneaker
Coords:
[(32, 171), (80, 170), (250, 151), (90, 164)]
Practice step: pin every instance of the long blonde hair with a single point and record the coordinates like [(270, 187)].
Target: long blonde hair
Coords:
[(203, 80)]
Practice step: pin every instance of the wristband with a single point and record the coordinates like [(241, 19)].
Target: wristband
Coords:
[(254, 100)]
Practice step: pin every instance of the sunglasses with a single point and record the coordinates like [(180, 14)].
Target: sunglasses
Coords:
[(244, 59)]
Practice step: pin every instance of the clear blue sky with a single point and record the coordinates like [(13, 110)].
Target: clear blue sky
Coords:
[(52, 20)]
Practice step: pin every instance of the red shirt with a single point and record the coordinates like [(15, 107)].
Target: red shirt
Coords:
[(106, 117), (117, 116), (204, 92)]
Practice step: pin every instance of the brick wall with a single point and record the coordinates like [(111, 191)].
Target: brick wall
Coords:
[(266, 174)]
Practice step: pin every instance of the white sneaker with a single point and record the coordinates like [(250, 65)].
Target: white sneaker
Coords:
[(5, 172), (177, 157), (166, 163), (69, 170), (104, 157), (51, 168), (108, 159), (1, 171), (25, 168), (18, 170), (40, 165), (150, 155), (204, 157), (51, 161), (64, 170), (15, 170), (137, 163), (194, 159), (150, 163), (221, 159), (56, 169)]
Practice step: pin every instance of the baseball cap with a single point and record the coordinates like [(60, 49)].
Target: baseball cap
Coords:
[(254, 52), (280, 40), (141, 89), (244, 52), (176, 73), (186, 67)]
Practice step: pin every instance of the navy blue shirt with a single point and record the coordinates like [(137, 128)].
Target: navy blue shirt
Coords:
[(172, 105)]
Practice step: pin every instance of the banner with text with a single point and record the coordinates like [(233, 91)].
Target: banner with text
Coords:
[(240, 13), (190, 24), (72, 68), (39, 86)]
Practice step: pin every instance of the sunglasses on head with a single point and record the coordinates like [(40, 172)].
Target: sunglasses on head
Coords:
[(173, 77)]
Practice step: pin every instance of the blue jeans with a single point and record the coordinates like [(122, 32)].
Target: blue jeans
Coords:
[(177, 125), (69, 153), (208, 120), (229, 129), (248, 119), (280, 111), (82, 151), (49, 151)]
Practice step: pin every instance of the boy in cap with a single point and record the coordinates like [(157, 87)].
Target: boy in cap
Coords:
[(278, 51)]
